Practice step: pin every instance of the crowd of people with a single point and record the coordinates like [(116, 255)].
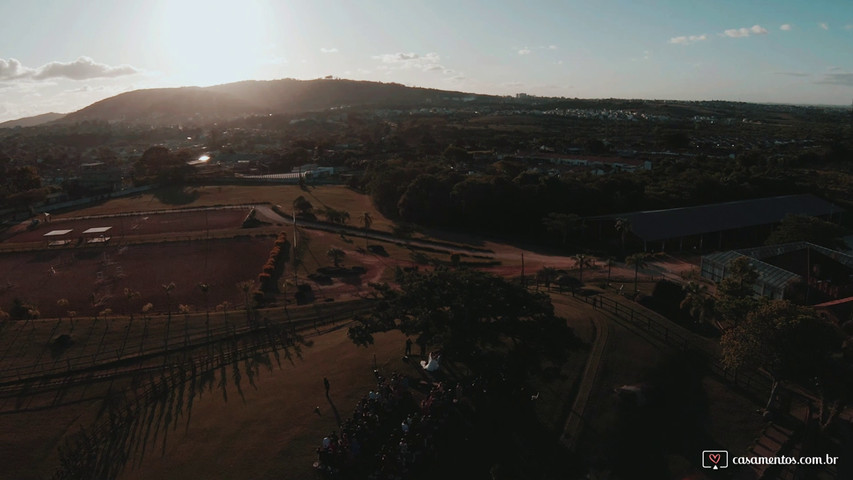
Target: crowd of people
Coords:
[(390, 434)]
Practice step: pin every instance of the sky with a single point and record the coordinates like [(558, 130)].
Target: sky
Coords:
[(62, 55)]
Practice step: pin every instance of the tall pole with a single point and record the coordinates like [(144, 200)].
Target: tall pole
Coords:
[(522, 269), (295, 245)]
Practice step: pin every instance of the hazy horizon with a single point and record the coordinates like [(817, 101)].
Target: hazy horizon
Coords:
[(61, 56)]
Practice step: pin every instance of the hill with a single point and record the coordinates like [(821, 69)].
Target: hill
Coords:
[(170, 105), (33, 121)]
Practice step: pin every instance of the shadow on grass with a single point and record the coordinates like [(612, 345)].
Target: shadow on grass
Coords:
[(176, 195)]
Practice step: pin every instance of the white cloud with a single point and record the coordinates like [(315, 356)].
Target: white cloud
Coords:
[(838, 79), (823, 26), (81, 69), (745, 32), (687, 39), (429, 62), (524, 51), (12, 69), (786, 27), (552, 47), (848, 27), (329, 50)]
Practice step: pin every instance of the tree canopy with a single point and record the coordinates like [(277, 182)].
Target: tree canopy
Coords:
[(799, 228), (788, 341), (464, 313)]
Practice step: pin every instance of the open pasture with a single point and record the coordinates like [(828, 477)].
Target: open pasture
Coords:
[(94, 279), (132, 225)]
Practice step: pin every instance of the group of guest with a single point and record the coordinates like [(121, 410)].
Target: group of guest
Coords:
[(390, 434)]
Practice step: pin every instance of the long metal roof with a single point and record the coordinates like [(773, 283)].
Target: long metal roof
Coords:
[(715, 265), (718, 217)]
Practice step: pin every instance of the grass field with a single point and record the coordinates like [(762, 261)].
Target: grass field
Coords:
[(337, 197)]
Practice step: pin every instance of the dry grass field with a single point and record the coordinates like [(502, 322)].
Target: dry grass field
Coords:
[(337, 197)]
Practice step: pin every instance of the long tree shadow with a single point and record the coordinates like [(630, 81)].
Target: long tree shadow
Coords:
[(139, 416)]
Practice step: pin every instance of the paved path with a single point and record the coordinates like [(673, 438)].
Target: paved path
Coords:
[(268, 213), (574, 424)]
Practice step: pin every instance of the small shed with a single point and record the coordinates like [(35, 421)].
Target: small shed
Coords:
[(96, 235), (58, 238)]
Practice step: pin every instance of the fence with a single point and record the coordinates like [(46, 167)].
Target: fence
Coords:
[(751, 381), (133, 353)]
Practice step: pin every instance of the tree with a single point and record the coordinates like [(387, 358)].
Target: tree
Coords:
[(546, 275), (467, 314), (336, 255), (336, 216), (561, 223), (246, 286), (302, 207), (790, 342), (735, 294), (366, 222), (801, 228), (167, 288), (695, 301), (610, 262), (130, 296), (582, 260), (205, 291), (623, 226), (62, 303), (638, 260)]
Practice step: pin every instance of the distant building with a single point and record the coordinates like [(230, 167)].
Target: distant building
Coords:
[(800, 271), (712, 226)]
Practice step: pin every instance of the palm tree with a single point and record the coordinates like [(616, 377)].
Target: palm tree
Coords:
[(62, 303), (610, 262), (638, 260), (168, 289), (130, 295), (623, 226), (205, 290), (336, 255), (246, 286), (366, 222), (582, 260)]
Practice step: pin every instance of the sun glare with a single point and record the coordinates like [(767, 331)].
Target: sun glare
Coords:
[(213, 42)]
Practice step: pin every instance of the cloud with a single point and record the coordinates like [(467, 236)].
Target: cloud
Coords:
[(429, 62), (81, 69), (786, 27), (524, 51), (329, 50), (745, 32), (823, 26), (552, 47), (794, 74), (845, 79), (12, 69), (848, 27), (687, 39)]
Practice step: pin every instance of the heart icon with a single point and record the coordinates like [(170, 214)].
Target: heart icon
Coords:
[(714, 457)]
